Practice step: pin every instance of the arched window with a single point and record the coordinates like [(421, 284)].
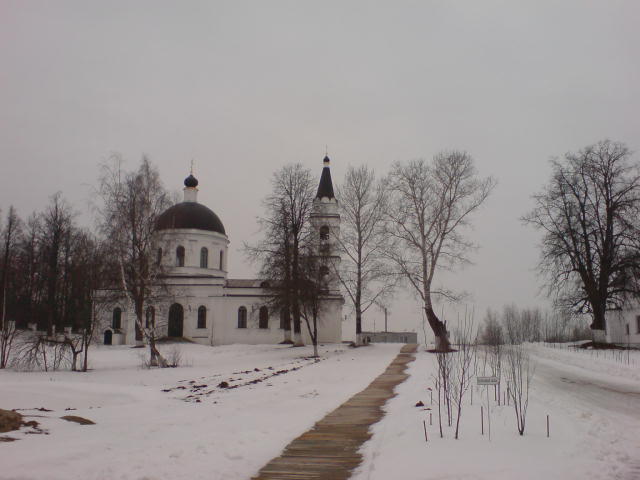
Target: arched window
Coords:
[(204, 258), (285, 319), (150, 320), (324, 232), (202, 317), (116, 322), (180, 256), (263, 319), (159, 257), (242, 317), (324, 271), (221, 259), (176, 320)]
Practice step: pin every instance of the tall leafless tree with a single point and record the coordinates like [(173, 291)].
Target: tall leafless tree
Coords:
[(131, 203), (588, 214), (10, 234), (429, 207), (364, 275), (286, 228), (56, 230)]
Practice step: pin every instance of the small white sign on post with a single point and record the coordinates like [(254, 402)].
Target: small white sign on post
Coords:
[(487, 380)]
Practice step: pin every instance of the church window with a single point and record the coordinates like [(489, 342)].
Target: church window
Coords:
[(221, 259), (202, 317), (150, 320), (116, 322), (263, 319), (242, 317), (180, 256), (626, 332), (159, 257), (324, 232), (204, 258), (638, 324), (324, 271)]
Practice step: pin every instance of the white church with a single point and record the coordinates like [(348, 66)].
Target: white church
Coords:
[(199, 302)]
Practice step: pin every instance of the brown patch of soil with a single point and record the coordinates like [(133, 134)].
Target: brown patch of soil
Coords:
[(76, 419), (9, 420), (7, 439)]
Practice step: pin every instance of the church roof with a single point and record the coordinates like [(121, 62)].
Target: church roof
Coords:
[(325, 188), (190, 215)]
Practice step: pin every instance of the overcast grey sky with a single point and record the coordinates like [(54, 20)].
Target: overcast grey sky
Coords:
[(246, 87)]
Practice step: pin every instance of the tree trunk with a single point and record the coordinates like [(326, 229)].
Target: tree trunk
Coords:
[(439, 330), (85, 361), (358, 326), (156, 358), (598, 324), (297, 327), (287, 329)]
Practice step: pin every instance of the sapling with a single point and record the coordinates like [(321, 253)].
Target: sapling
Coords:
[(520, 371)]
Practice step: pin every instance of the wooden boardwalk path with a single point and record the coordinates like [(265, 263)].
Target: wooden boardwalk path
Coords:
[(329, 451)]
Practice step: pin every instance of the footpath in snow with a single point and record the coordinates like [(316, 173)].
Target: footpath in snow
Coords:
[(594, 413), (178, 423)]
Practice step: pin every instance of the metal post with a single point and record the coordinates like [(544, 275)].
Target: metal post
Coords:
[(547, 426), (385, 319), (488, 414)]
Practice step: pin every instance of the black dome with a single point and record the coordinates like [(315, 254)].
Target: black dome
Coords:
[(191, 181), (190, 215)]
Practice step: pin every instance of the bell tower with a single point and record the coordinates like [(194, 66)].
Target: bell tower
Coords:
[(325, 219)]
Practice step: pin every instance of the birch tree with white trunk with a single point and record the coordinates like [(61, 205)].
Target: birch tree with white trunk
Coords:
[(131, 203)]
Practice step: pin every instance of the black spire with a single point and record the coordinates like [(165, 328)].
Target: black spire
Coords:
[(325, 189)]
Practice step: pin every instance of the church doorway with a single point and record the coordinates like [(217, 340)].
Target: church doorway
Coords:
[(176, 320), (108, 337)]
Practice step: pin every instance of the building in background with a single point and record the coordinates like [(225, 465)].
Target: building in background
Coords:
[(199, 302)]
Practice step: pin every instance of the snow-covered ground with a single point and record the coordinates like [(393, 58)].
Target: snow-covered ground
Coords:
[(594, 408), (177, 423)]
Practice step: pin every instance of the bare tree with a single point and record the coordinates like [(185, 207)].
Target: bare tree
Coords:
[(314, 272), (56, 229), (463, 369), (364, 275), (587, 213), (8, 336), (131, 203), (520, 372), (286, 228), (429, 207), (492, 331), (442, 382), (512, 325), (11, 232)]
